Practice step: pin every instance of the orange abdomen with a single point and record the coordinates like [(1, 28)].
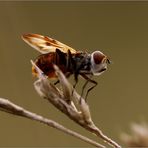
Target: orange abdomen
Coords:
[(45, 63)]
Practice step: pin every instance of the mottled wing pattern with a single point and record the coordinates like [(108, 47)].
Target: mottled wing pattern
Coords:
[(44, 44)]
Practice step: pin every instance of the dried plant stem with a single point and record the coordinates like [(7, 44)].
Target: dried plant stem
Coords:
[(67, 100), (72, 106), (100, 134), (7, 106)]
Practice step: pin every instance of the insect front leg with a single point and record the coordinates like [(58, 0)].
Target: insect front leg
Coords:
[(88, 79)]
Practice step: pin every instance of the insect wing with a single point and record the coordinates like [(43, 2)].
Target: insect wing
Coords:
[(44, 44)]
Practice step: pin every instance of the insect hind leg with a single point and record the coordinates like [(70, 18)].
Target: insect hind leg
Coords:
[(67, 75), (55, 83)]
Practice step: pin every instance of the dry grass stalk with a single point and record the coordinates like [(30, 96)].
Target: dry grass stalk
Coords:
[(9, 107), (67, 103), (62, 99), (138, 136)]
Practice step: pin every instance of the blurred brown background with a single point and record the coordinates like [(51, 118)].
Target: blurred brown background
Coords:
[(119, 29)]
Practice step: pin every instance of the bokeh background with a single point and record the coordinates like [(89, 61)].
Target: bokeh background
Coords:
[(119, 29)]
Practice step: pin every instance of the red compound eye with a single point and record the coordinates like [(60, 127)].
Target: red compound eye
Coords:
[(98, 57)]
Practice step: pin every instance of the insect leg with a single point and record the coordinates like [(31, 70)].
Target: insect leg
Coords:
[(95, 84), (88, 79), (67, 75), (71, 65), (55, 83)]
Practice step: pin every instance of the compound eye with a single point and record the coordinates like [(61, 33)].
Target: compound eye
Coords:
[(98, 57)]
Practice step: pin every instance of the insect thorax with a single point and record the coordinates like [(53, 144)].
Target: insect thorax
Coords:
[(83, 63)]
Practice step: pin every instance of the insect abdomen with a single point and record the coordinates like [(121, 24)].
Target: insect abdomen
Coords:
[(45, 63)]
